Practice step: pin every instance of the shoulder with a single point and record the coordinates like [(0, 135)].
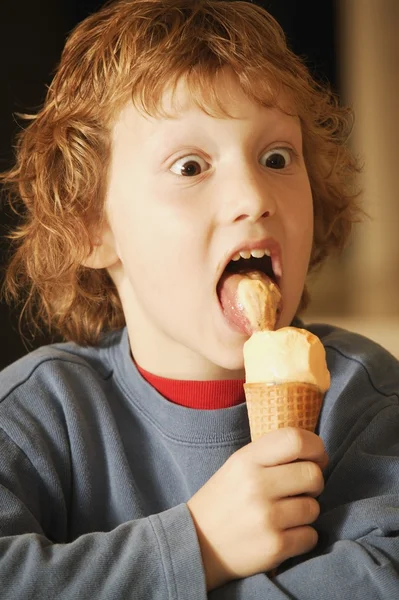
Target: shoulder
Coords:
[(364, 385), (55, 392), (57, 386), (352, 355), (49, 363)]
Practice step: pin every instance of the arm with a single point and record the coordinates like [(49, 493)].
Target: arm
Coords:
[(358, 552), (154, 558)]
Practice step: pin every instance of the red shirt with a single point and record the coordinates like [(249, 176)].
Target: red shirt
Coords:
[(205, 395)]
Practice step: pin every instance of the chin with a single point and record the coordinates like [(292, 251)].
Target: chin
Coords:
[(232, 363)]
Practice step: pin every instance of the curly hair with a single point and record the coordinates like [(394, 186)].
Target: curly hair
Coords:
[(132, 50)]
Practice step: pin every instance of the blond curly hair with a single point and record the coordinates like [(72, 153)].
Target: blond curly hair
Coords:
[(132, 50)]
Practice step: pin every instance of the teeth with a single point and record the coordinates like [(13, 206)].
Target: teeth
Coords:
[(258, 253), (248, 253)]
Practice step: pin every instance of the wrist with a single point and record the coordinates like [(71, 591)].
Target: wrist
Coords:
[(215, 573)]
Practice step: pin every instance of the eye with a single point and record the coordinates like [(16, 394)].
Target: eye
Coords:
[(278, 158), (189, 166)]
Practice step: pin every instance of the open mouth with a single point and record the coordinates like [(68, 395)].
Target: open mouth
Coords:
[(245, 265), (252, 264)]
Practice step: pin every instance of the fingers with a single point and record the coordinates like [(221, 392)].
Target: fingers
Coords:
[(294, 479), (294, 512), (296, 541), (287, 445)]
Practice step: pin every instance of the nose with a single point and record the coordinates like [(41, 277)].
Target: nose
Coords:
[(250, 196)]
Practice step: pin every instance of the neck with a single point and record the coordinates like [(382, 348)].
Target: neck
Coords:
[(200, 395), (160, 354)]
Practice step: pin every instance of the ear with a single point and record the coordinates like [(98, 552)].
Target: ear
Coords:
[(104, 254)]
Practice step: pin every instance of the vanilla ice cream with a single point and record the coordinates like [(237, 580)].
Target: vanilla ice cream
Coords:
[(286, 355), (261, 299)]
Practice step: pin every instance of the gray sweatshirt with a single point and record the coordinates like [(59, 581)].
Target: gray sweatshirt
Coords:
[(96, 468)]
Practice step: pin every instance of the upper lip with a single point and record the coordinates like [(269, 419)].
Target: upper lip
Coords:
[(268, 243)]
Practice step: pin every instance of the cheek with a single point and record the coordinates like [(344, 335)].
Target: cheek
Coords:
[(305, 232), (160, 256), (299, 237), (299, 219)]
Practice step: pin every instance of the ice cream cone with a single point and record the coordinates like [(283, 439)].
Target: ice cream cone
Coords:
[(272, 406)]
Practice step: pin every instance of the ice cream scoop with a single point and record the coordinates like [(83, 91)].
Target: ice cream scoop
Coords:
[(288, 354), (251, 301)]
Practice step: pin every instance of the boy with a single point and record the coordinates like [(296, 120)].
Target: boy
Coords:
[(175, 138)]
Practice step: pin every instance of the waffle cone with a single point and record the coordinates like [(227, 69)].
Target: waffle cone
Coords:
[(272, 406)]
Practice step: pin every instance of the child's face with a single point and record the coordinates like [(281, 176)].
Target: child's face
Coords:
[(186, 193)]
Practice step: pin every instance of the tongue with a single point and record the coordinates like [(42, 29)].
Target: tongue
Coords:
[(233, 309), (250, 301)]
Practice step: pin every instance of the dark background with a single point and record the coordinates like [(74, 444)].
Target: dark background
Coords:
[(32, 35)]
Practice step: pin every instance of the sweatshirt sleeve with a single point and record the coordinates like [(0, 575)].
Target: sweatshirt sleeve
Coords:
[(357, 556), (154, 558)]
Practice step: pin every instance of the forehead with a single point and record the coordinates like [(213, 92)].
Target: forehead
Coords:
[(224, 96), (224, 99)]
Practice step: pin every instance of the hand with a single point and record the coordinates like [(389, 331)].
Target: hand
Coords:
[(256, 510)]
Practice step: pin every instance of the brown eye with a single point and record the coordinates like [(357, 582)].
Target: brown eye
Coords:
[(189, 166), (278, 158)]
